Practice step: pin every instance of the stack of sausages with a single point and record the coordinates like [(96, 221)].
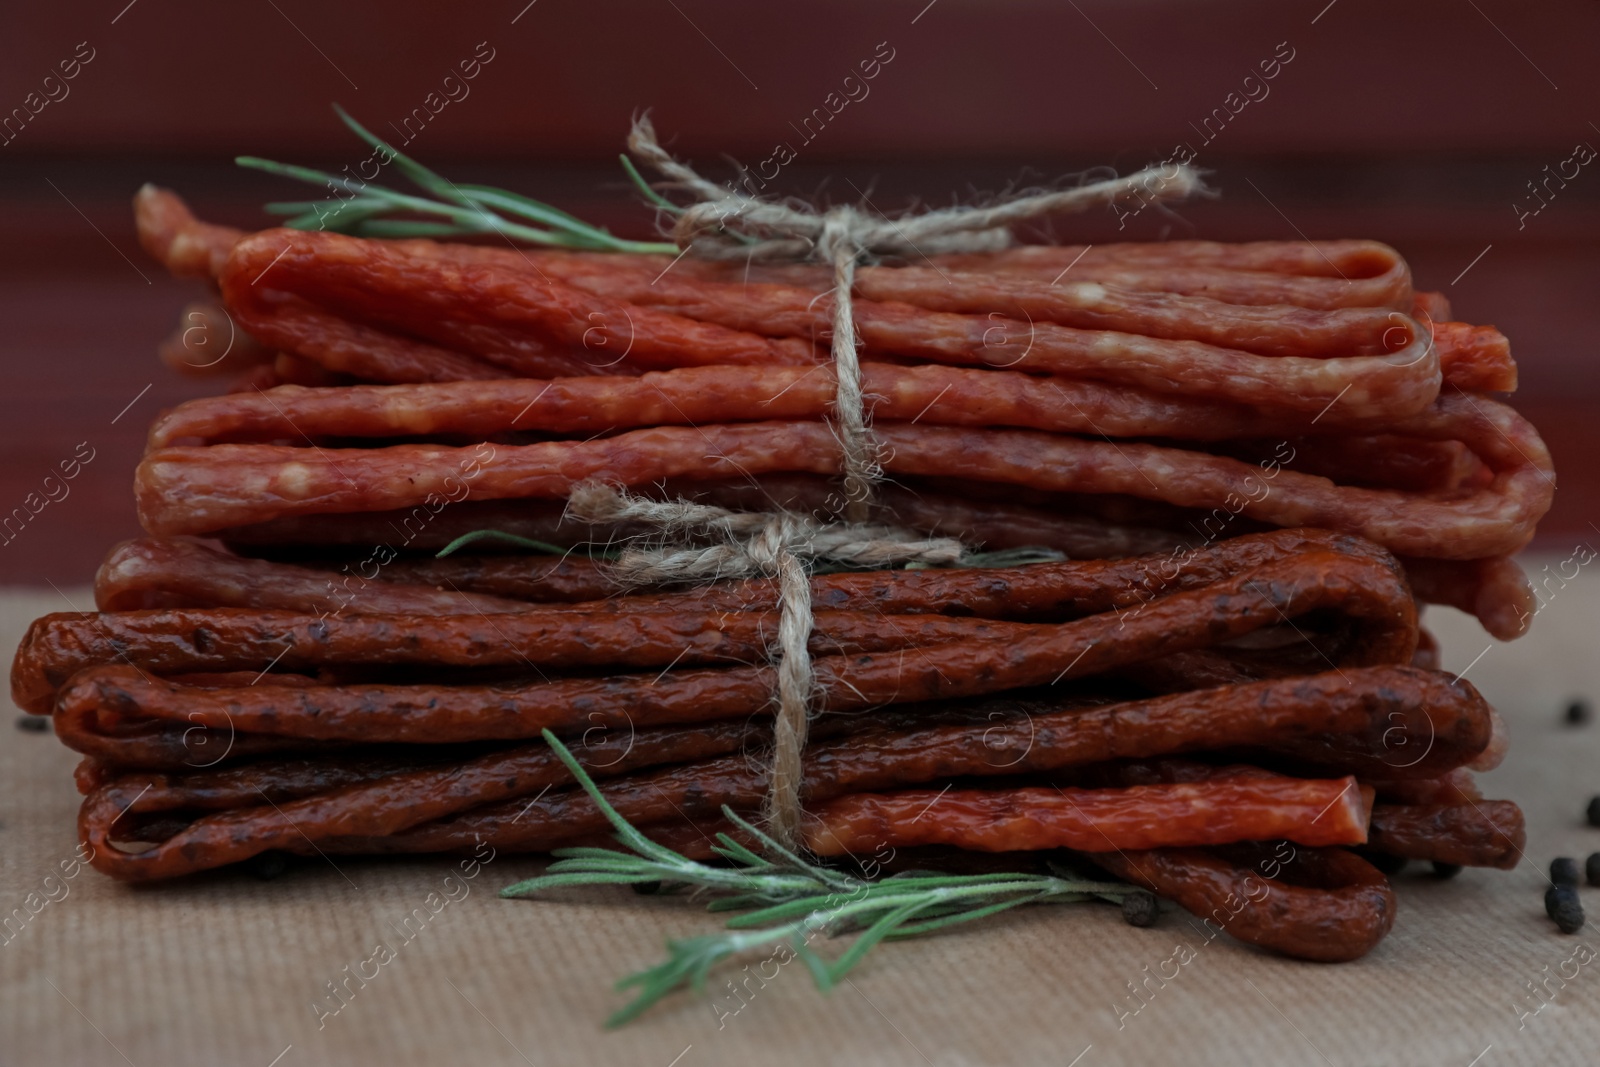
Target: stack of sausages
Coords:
[(1250, 462)]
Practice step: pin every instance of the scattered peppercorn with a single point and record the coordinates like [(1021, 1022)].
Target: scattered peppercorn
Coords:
[(1445, 870), (33, 724), (1140, 908), (268, 865), (647, 889), (1389, 865), (1578, 712), (1564, 870), (1591, 868), (1594, 811), (1561, 904)]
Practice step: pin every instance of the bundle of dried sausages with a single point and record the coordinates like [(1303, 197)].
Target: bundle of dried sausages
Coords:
[(1255, 460)]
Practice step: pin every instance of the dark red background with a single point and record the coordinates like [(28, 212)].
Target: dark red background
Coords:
[(1415, 123)]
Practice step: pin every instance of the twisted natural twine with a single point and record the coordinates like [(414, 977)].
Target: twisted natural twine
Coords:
[(724, 223), (780, 545)]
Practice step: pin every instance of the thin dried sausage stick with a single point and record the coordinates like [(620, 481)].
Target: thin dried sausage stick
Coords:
[(935, 395), (1386, 284), (1502, 606), (1182, 814), (392, 803), (584, 406), (698, 395), (203, 490), (894, 751), (165, 223), (1392, 289), (329, 269), (168, 230), (1495, 590), (1343, 259), (1394, 370), (1342, 919), (1456, 787), (560, 637), (162, 217), (1374, 275), (1374, 461), (1476, 358), (177, 573), (348, 347), (1276, 330), (1376, 384), (1347, 723), (1041, 655), (186, 574), (1430, 307), (1486, 833), (976, 522)]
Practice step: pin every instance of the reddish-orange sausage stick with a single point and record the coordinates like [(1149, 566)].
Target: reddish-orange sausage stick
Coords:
[(1470, 357), (1328, 722), (373, 278), (1502, 606), (1477, 833), (1350, 261), (901, 323), (1347, 912), (180, 573), (189, 247), (1385, 365), (582, 406), (182, 243), (1342, 719), (1027, 656), (190, 574), (1216, 812), (310, 806), (163, 219), (1374, 275), (559, 637), (203, 490)]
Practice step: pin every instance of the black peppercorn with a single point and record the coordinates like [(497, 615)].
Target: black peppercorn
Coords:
[(33, 724), (1389, 865), (1594, 811), (1591, 868), (1140, 908), (1445, 870), (1578, 712), (268, 865), (1561, 904), (1564, 870)]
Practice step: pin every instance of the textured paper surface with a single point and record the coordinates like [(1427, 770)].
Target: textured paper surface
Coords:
[(226, 969)]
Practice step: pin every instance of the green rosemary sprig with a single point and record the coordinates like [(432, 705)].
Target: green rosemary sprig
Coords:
[(785, 899), (448, 209), (538, 548)]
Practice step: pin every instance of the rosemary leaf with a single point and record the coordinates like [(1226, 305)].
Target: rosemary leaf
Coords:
[(544, 548), (785, 899), (453, 210)]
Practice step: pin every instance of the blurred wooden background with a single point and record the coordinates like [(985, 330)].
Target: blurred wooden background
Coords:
[(1421, 124)]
